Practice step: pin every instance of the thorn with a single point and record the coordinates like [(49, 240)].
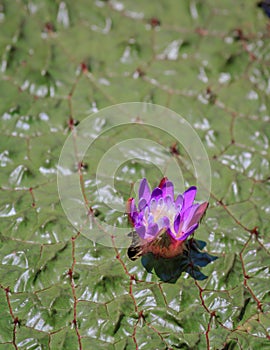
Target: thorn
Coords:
[(33, 198), (259, 305), (141, 315), (239, 35), (70, 122), (154, 22), (132, 277), (49, 27), (139, 72), (210, 95), (16, 321), (255, 231), (82, 166), (174, 150), (70, 273), (84, 67)]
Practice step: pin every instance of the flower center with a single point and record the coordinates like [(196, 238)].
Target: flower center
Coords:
[(158, 210)]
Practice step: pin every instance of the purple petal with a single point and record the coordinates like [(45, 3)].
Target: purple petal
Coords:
[(152, 230), (163, 222), (189, 212), (134, 217), (142, 203), (157, 192), (189, 232), (200, 210), (189, 196), (168, 189), (187, 216), (146, 212), (160, 202), (144, 190), (139, 218), (140, 230), (179, 201), (153, 204), (168, 201), (177, 223), (150, 218)]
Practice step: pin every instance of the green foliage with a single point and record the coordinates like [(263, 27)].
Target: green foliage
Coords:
[(60, 60)]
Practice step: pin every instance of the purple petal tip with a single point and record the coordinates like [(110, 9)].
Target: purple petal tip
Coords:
[(144, 190)]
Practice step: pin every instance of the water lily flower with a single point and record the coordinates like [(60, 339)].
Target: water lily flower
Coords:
[(163, 222)]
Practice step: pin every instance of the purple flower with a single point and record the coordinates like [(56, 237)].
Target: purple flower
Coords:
[(159, 214)]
